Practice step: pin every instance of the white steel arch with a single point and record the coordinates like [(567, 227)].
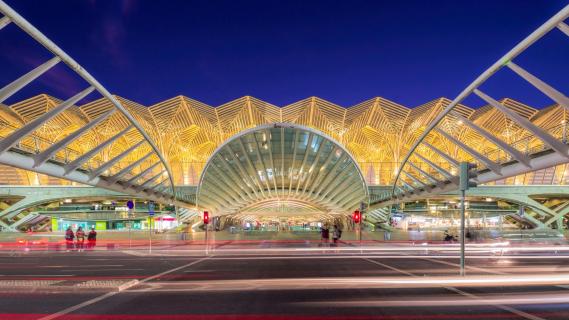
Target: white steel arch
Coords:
[(150, 177), (266, 166), (544, 147)]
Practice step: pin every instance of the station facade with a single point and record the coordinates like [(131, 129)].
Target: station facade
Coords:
[(248, 158)]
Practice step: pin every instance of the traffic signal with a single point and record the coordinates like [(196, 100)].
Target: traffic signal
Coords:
[(357, 216), (205, 217), (468, 172)]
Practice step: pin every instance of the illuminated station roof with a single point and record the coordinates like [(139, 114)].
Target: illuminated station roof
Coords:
[(377, 132), (281, 168)]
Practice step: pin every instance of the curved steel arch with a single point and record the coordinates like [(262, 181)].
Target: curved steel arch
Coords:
[(232, 180), (124, 179), (435, 179)]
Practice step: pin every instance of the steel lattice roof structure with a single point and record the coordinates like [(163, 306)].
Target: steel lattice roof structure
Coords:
[(377, 132), (149, 150)]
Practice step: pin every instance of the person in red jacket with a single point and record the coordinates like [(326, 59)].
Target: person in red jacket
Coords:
[(92, 239), (69, 236), (80, 239)]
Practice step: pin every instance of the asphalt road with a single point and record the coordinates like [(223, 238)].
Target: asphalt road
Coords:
[(319, 284)]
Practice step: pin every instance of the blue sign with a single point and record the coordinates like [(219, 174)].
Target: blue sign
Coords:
[(130, 204), (150, 208)]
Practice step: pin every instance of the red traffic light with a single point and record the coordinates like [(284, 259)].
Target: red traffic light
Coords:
[(205, 217), (357, 216)]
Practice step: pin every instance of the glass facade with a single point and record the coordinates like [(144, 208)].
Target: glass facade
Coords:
[(275, 164)]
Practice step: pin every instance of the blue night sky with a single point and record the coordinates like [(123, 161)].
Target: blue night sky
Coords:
[(282, 51)]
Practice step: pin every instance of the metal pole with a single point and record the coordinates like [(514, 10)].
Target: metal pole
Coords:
[(360, 227), (462, 237), (150, 235), (564, 136), (206, 247)]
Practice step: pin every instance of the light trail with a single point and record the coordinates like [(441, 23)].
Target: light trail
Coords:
[(359, 282), (457, 301)]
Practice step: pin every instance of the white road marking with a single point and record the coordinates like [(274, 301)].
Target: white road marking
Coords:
[(76, 270), (78, 306), (467, 267), (36, 275), (466, 294), (110, 294), (89, 266)]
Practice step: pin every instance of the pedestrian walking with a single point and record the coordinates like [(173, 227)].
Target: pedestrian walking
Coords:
[(80, 238), (69, 236), (337, 235), (325, 232), (92, 239)]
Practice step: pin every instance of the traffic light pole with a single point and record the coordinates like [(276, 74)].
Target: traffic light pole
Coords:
[(360, 229), (467, 173), (462, 233), (150, 235), (206, 244)]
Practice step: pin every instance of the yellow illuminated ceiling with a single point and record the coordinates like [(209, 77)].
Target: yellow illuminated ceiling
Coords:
[(377, 132)]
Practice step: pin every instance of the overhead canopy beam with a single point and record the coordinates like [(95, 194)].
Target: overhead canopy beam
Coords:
[(564, 27), (424, 173), (506, 147), (477, 155), (32, 126), (442, 154), (4, 22), (51, 151), (107, 165), (140, 175), (548, 90), (442, 171), (24, 80), (128, 169), (91, 153), (526, 124), (61, 55)]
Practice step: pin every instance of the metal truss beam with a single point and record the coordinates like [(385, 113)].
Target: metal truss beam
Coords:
[(54, 148), (541, 134), (4, 22), (548, 90), (107, 165), (32, 126), (128, 169), (564, 28), (477, 155), (24, 80), (521, 164), (517, 155), (40, 160), (91, 153)]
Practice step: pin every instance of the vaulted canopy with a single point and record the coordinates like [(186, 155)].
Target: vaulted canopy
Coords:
[(281, 165)]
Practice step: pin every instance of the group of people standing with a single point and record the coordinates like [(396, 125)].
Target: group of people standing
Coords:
[(79, 244), (325, 235)]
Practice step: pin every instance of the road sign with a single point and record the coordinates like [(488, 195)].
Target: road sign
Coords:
[(130, 204)]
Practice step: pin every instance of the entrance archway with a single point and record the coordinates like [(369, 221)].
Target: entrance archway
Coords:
[(281, 167)]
